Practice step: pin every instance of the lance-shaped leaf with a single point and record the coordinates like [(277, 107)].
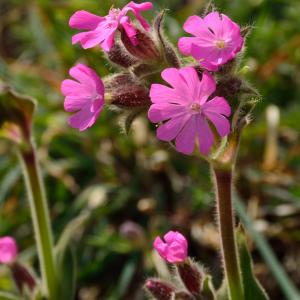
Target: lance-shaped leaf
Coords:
[(16, 112), (252, 287)]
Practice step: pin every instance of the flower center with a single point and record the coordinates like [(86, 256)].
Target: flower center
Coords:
[(196, 107), (220, 44), (114, 13)]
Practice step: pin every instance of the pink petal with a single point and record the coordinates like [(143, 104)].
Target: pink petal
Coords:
[(129, 29), (83, 118), (8, 249), (140, 6), (162, 94), (84, 20), (169, 130), (87, 76), (214, 22), (208, 55), (205, 135), (74, 103), (136, 9), (217, 105), (164, 111), (73, 88), (104, 35), (184, 45), (160, 247), (220, 122), (193, 25), (173, 77), (191, 78), (170, 236), (185, 140), (207, 87)]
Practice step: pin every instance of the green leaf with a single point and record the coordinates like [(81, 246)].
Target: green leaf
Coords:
[(222, 293), (208, 291), (8, 296), (287, 286), (65, 258), (252, 287), (16, 113), (66, 272)]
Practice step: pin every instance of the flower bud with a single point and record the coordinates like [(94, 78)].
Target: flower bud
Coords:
[(129, 96), (8, 250), (22, 277), (145, 49), (160, 289), (174, 247), (116, 82), (121, 57), (167, 49), (229, 87), (190, 275)]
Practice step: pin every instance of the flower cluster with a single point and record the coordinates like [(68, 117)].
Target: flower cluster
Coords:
[(191, 110)]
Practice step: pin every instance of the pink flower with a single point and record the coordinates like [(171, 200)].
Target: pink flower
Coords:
[(102, 30), (217, 40), (84, 96), (174, 249), (185, 109), (8, 249)]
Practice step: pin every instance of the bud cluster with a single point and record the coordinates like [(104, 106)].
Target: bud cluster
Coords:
[(189, 278)]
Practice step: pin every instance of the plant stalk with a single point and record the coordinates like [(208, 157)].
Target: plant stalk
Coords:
[(40, 218), (223, 189)]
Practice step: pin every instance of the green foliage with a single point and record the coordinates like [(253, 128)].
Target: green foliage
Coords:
[(252, 287)]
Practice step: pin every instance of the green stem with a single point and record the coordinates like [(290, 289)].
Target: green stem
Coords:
[(40, 218), (223, 187)]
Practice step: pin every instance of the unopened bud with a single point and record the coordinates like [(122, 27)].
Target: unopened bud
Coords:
[(130, 96), (116, 82), (191, 276), (229, 87), (167, 49), (145, 49), (22, 277), (121, 57), (159, 289)]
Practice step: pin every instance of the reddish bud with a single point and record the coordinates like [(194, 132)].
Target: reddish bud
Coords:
[(160, 290), (117, 82), (22, 277), (129, 96), (145, 49), (191, 276), (121, 57)]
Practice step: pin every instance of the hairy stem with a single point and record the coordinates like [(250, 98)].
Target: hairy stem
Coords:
[(40, 218), (223, 190)]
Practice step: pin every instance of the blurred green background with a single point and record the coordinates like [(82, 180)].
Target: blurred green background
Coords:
[(134, 187)]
